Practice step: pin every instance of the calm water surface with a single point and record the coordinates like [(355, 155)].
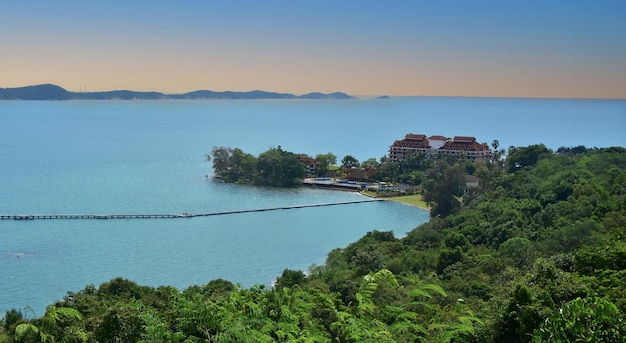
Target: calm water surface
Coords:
[(148, 157)]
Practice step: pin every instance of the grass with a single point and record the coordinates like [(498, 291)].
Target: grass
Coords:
[(413, 200)]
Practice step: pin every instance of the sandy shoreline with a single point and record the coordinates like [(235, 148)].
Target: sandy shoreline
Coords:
[(411, 200)]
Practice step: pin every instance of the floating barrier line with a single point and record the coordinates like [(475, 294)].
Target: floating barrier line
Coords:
[(155, 216)]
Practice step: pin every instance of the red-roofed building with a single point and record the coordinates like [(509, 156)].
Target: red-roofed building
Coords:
[(437, 142), (411, 142), (462, 146), (358, 174), (466, 147), (310, 164)]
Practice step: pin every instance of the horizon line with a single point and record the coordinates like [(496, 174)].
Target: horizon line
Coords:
[(358, 96)]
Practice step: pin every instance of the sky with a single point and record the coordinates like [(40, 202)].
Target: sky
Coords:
[(535, 48)]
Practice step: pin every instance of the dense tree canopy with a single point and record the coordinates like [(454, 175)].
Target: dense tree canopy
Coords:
[(447, 184), (233, 165), (350, 161), (274, 167), (525, 156), (538, 255), (323, 162)]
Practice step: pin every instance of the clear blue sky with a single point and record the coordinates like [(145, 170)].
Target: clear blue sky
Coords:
[(469, 48)]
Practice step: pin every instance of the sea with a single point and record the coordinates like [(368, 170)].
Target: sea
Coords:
[(130, 157)]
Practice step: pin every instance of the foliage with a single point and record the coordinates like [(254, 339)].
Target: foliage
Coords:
[(525, 156), (323, 162), (537, 255), (370, 163), (232, 165), (584, 320), (290, 278), (274, 167), (350, 162), (387, 171), (448, 184), (518, 249)]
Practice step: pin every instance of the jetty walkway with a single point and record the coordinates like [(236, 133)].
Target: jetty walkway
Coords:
[(158, 216)]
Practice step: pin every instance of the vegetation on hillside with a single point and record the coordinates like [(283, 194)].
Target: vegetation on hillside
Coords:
[(536, 253)]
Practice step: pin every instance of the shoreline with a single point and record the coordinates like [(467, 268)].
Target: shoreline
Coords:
[(414, 200), (411, 200)]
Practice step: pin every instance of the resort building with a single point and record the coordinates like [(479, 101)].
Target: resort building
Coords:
[(310, 164), (359, 174), (461, 146)]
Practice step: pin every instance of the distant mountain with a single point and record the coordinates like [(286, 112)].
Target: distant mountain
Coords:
[(53, 92), (316, 95), (41, 92), (232, 95), (118, 95)]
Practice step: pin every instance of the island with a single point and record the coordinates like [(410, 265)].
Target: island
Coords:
[(54, 92)]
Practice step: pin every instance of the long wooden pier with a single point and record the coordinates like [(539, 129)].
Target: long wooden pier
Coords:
[(155, 216)]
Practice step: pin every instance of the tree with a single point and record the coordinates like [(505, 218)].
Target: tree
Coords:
[(417, 177), (221, 157), (232, 165), (525, 156), (121, 324), (324, 161), (415, 160), (269, 167), (583, 320), (456, 239), (11, 317), (495, 144), (518, 249), (447, 257), (350, 162), (571, 151), (443, 192), (387, 171), (293, 170), (277, 167), (567, 213), (290, 278), (243, 165), (367, 259), (370, 163)]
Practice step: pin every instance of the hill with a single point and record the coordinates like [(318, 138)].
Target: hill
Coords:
[(535, 253), (41, 92), (53, 92), (317, 95)]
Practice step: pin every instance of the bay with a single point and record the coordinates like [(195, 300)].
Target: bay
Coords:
[(149, 157)]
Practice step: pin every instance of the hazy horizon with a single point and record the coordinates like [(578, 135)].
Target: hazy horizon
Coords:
[(536, 49), (355, 96)]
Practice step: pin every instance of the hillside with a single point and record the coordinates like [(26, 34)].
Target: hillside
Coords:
[(537, 253), (53, 92)]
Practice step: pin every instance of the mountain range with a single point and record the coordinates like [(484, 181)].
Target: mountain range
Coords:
[(54, 92)]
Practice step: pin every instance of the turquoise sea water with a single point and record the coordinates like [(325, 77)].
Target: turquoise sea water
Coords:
[(148, 157)]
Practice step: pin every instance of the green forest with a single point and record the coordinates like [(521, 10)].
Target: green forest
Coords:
[(535, 253), (274, 167)]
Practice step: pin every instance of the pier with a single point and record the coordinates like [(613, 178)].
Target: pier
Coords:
[(159, 216)]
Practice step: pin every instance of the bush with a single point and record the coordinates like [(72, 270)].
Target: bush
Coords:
[(583, 320)]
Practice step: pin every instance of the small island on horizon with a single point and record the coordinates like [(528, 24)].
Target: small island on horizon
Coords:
[(54, 92)]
